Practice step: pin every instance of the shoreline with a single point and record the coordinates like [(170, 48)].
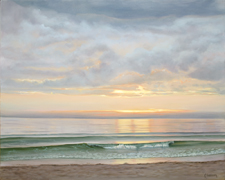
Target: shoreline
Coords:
[(214, 170), (208, 158)]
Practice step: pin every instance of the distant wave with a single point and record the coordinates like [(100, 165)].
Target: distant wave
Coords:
[(104, 139)]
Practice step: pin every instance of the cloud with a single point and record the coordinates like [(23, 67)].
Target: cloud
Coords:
[(121, 114), (211, 71), (134, 9), (220, 4), (96, 50)]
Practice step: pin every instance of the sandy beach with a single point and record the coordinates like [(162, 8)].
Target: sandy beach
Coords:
[(154, 171)]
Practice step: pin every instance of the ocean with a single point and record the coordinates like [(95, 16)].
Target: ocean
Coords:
[(110, 140)]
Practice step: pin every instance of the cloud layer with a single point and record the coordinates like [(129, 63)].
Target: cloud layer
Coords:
[(136, 49)]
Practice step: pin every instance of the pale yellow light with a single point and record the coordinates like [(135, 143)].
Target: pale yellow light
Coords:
[(39, 81), (150, 111)]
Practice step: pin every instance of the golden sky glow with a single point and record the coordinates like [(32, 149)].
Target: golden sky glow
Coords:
[(106, 105), (151, 111)]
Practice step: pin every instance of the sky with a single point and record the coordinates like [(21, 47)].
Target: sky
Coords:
[(114, 58)]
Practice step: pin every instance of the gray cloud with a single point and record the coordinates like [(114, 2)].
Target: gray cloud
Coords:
[(96, 50), (133, 9), (111, 115), (210, 71)]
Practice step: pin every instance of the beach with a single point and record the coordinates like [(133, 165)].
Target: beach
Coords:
[(154, 171)]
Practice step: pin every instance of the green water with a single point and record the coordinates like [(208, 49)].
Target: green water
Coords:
[(31, 139)]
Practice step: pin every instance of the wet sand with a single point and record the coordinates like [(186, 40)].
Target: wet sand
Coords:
[(214, 170)]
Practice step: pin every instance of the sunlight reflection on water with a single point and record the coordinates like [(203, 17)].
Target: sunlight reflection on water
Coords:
[(107, 126)]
